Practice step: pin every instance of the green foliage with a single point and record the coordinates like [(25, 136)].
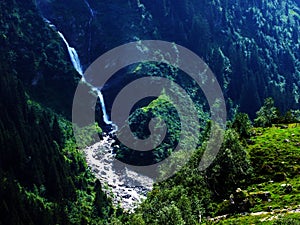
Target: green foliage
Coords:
[(231, 168), (275, 150), (283, 195), (267, 115), (174, 205), (41, 183), (57, 133), (136, 219), (100, 203), (162, 109), (296, 115), (188, 190), (289, 117), (191, 193), (242, 125), (274, 154), (86, 136), (288, 220), (170, 215), (265, 219), (36, 54), (44, 178)]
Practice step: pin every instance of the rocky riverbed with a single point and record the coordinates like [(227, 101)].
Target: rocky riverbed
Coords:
[(126, 187)]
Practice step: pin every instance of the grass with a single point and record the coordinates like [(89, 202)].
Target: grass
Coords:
[(266, 219), (276, 151), (280, 196), (275, 157)]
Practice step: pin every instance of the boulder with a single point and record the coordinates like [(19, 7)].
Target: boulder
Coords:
[(288, 188), (127, 196), (279, 177)]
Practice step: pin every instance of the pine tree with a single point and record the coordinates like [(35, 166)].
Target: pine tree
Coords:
[(100, 202), (57, 133), (267, 114)]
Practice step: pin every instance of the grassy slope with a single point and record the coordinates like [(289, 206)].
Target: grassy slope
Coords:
[(275, 154)]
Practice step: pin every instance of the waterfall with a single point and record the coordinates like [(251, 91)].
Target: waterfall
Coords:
[(72, 52), (102, 103), (105, 116), (77, 65), (73, 55)]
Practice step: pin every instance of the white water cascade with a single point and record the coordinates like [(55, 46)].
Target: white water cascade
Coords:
[(73, 55), (127, 187), (102, 103), (77, 65)]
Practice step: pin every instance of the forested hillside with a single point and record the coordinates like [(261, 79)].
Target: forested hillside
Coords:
[(44, 178), (251, 46), (36, 55)]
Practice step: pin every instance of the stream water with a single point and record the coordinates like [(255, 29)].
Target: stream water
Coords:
[(125, 186)]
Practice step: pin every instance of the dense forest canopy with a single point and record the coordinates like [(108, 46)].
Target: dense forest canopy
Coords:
[(252, 47)]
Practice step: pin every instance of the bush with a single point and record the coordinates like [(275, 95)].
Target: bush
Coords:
[(267, 114)]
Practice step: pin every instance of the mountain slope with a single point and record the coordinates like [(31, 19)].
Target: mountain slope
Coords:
[(252, 46), (37, 55), (44, 178)]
